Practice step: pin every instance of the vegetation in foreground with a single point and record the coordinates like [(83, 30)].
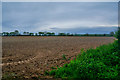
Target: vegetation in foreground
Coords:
[(100, 63)]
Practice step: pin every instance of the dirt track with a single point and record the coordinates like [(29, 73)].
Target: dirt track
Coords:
[(32, 56)]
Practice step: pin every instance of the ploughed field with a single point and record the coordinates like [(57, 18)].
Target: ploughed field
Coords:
[(31, 56)]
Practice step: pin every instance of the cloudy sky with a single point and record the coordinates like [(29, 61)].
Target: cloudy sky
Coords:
[(60, 0), (72, 17)]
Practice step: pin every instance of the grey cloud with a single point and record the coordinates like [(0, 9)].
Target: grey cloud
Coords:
[(35, 16), (96, 30)]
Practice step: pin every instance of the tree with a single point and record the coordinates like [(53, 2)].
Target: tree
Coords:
[(118, 36), (71, 34), (31, 34), (48, 33), (36, 34), (68, 34), (45, 33), (53, 34), (86, 34), (112, 33), (12, 33), (62, 34), (104, 34), (40, 33), (26, 33), (95, 34), (5, 34), (16, 32)]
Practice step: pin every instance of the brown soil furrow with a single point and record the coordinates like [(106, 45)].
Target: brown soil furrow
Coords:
[(19, 62)]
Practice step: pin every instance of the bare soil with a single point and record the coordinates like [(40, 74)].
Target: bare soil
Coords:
[(31, 56)]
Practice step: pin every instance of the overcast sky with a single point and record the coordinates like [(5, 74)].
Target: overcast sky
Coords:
[(60, 0), (72, 17)]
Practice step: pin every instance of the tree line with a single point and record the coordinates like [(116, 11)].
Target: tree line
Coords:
[(17, 33)]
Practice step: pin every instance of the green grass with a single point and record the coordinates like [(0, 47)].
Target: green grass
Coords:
[(64, 57), (100, 63)]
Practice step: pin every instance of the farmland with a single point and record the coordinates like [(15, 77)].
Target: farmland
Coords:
[(31, 56)]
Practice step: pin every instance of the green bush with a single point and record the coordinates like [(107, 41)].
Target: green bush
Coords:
[(100, 63)]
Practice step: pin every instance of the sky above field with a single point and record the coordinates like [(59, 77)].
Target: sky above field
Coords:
[(60, 0), (72, 17)]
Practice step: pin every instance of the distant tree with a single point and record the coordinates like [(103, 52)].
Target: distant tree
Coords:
[(36, 34), (40, 33), (112, 33), (48, 34), (71, 34), (12, 33), (76, 34), (86, 34), (53, 34), (16, 32), (5, 34), (45, 33), (95, 34), (91, 34), (104, 34), (26, 33), (62, 34), (31, 34), (68, 34)]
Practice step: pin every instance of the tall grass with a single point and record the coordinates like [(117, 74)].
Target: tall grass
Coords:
[(100, 63)]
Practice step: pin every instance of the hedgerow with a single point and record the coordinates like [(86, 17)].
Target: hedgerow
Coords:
[(100, 63)]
